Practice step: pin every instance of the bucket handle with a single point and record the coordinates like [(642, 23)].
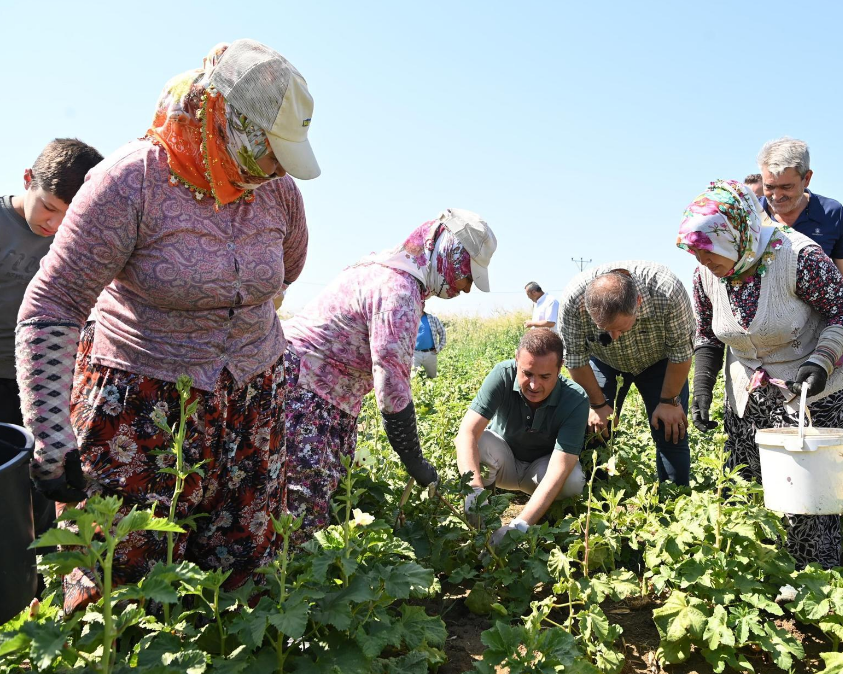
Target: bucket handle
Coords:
[(803, 399)]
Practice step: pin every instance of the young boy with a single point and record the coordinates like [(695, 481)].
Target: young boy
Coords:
[(27, 225)]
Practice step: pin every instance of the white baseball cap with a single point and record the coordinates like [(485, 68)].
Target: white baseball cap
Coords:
[(478, 239), (264, 86)]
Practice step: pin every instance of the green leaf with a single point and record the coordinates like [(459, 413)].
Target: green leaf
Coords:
[(127, 618), (595, 625), (762, 602), (479, 601), (780, 645), (64, 562), (144, 520), (292, 619), (250, 626), (419, 628), (833, 663), (11, 642), (344, 657), (717, 631), (47, 643), (411, 663), (832, 625), (681, 616), (376, 635), (334, 610), (58, 537)]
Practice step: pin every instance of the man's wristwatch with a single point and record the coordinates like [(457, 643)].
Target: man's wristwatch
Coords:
[(597, 406), (675, 401)]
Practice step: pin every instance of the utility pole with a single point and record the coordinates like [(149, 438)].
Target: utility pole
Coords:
[(581, 263)]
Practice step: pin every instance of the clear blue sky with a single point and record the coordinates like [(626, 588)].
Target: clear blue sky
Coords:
[(576, 129)]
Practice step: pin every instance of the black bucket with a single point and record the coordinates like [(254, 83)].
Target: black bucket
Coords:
[(18, 575)]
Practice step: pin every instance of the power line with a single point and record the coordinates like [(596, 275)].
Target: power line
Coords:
[(581, 263)]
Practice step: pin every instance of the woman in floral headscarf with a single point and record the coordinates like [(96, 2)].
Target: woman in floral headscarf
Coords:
[(776, 300), (359, 334), (180, 239)]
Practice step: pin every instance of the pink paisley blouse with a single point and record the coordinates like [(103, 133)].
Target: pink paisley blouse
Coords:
[(359, 334), (185, 289)]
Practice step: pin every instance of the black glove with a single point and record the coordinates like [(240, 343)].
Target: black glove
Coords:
[(69, 487), (403, 435), (811, 375), (708, 359)]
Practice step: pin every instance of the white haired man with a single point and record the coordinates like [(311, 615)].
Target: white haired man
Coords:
[(786, 172)]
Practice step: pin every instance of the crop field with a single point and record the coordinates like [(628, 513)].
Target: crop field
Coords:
[(632, 577)]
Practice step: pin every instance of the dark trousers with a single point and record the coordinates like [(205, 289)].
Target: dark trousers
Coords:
[(43, 509), (673, 461)]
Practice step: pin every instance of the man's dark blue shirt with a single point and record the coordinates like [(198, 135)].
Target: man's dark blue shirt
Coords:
[(822, 221)]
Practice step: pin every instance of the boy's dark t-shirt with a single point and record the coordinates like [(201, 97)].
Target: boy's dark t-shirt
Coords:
[(20, 254)]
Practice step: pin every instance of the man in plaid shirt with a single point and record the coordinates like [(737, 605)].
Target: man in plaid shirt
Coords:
[(429, 341), (633, 319)]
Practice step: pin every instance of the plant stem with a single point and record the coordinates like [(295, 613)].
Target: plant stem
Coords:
[(588, 512), (462, 519), (108, 627), (178, 450), (282, 594)]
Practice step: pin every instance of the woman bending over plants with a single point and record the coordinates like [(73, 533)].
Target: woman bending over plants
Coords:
[(359, 334), (776, 300)]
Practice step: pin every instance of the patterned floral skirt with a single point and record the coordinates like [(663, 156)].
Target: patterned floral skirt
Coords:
[(237, 431), (319, 434), (810, 538)]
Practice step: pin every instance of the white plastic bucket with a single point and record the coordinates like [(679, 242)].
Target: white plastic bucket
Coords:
[(802, 468)]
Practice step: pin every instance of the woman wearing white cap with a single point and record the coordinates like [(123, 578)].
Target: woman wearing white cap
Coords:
[(181, 240), (359, 334)]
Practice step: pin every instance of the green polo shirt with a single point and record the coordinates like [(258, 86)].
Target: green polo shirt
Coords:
[(558, 423)]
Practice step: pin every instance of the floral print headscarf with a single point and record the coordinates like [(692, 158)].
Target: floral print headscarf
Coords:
[(433, 255), (212, 148), (727, 219)]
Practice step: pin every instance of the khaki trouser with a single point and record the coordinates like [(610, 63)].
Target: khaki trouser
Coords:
[(427, 360), (507, 472)]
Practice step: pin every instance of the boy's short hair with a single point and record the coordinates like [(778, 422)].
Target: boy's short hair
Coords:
[(61, 167)]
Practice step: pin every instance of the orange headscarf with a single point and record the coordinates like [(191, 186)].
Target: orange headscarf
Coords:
[(192, 124)]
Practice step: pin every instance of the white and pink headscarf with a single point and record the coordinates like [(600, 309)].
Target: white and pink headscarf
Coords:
[(727, 219)]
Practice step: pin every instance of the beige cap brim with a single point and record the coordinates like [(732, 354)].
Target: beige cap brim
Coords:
[(480, 276), (288, 135), (297, 159)]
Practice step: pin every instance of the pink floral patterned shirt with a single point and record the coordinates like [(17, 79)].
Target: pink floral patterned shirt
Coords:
[(359, 334), (185, 289)]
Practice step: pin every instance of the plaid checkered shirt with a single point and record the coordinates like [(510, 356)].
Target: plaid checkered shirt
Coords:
[(438, 331), (664, 327)]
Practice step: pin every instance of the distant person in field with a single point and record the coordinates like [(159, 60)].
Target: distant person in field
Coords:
[(28, 224), (359, 334), (754, 182), (634, 320), (524, 431), (776, 300), (786, 172), (430, 340), (545, 307)]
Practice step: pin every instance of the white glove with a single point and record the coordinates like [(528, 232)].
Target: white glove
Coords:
[(517, 523), (471, 504)]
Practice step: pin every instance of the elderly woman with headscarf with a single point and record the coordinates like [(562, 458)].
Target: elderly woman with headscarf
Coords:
[(776, 300), (359, 334), (185, 236)]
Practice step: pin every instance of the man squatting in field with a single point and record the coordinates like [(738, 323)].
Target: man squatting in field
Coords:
[(526, 428), (633, 319)]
